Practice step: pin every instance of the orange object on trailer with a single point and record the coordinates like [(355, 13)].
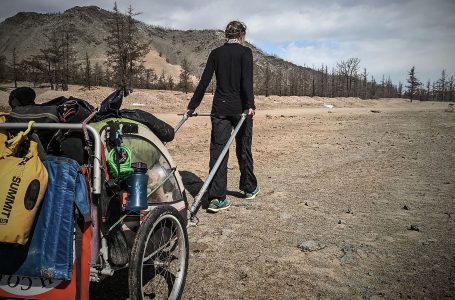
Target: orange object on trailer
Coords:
[(23, 287)]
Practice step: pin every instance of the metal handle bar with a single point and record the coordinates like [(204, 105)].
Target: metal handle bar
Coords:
[(196, 114), (179, 124), (91, 130), (185, 117)]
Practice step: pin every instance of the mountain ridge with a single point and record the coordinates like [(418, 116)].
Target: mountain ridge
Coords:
[(26, 31)]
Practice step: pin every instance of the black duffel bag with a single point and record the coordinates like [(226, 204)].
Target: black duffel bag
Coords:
[(71, 110), (110, 108), (59, 110), (161, 129)]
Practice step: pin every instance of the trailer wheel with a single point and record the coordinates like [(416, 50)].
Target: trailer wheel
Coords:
[(159, 256)]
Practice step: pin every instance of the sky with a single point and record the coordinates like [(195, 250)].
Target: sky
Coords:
[(389, 37)]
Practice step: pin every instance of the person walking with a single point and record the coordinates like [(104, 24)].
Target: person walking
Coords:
[(232, 64)]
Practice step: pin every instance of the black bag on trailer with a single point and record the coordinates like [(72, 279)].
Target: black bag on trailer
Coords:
[(163, 131), (110, 108), (71, 110), (59, 110), (71, 144), (22, 96), (39, 114)]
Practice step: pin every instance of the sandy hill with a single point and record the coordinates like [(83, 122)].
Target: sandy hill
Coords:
[(28, 31)]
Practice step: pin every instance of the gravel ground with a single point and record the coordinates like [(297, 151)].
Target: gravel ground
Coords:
[(357, 201)]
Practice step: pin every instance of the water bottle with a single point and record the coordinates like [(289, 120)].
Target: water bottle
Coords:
[(137, 187)]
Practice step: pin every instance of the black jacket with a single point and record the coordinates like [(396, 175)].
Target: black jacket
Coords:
[(233, 67)]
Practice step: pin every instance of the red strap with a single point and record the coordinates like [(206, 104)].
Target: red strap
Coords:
[(104, 163)]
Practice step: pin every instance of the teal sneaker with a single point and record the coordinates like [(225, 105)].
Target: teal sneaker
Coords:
[(253, 194), (217, 205)]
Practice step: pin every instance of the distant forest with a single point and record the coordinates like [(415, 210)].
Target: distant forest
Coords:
[(58, 65), (346, 80)]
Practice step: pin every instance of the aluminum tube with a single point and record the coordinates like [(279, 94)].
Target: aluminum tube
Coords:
[(184, 118), (197, 114), (209, 179), (202, 114), (93, 132), (96, 160)]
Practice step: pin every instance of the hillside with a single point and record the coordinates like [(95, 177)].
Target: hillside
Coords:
[(28, 31)]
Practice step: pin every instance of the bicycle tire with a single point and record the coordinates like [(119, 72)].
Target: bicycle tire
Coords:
[(161, 240)]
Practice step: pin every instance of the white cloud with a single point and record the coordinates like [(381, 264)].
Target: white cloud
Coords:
[(388, 39)]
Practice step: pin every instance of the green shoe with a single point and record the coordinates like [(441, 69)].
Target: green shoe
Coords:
[(253, 194), (217, 205)]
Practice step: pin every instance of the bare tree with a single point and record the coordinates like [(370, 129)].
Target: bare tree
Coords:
[(321, 82), (185, 83), (442, 86), (44, 64), (35, 69), (285, 86), (302, 82), (325, 85), (373, 88), (3, 67), (428, 90), (451, 91), (292, 77), (88, 72), (279, 82), (400, 89), (383, 95), (313, 91), (267, 77), (413, 82), (69, 56), (125, 52), (161, 85), (332, 83), (365, 83), (53, 56), (390, 89), (348, 69), (15, 67), (149, 77), (116, 54), (170, 82), (136, 50), (97, 74), (434, 89), (117, 58)]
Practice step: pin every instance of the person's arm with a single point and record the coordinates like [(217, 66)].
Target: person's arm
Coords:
[(203, 83), (247, 80)]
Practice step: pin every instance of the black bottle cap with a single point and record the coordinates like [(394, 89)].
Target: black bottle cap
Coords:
[(139, 166)]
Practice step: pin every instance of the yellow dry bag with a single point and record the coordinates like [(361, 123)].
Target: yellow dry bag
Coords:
[(22, 187), (3, 136)]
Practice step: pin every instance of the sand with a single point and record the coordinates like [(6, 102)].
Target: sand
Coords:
[(357, 201)]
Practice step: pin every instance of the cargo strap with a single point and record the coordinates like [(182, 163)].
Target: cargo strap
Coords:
[(20, 136)]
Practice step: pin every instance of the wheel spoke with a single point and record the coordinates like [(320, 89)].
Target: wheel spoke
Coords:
[(163, 259), (159, 249)]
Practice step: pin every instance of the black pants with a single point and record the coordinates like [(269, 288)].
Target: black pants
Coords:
[(221, 131)]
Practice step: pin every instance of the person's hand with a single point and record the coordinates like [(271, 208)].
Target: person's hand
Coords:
[(190, 112), (251, 112)]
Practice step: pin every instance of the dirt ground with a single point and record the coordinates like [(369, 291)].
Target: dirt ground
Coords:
[(357, 201), (350, 182)]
